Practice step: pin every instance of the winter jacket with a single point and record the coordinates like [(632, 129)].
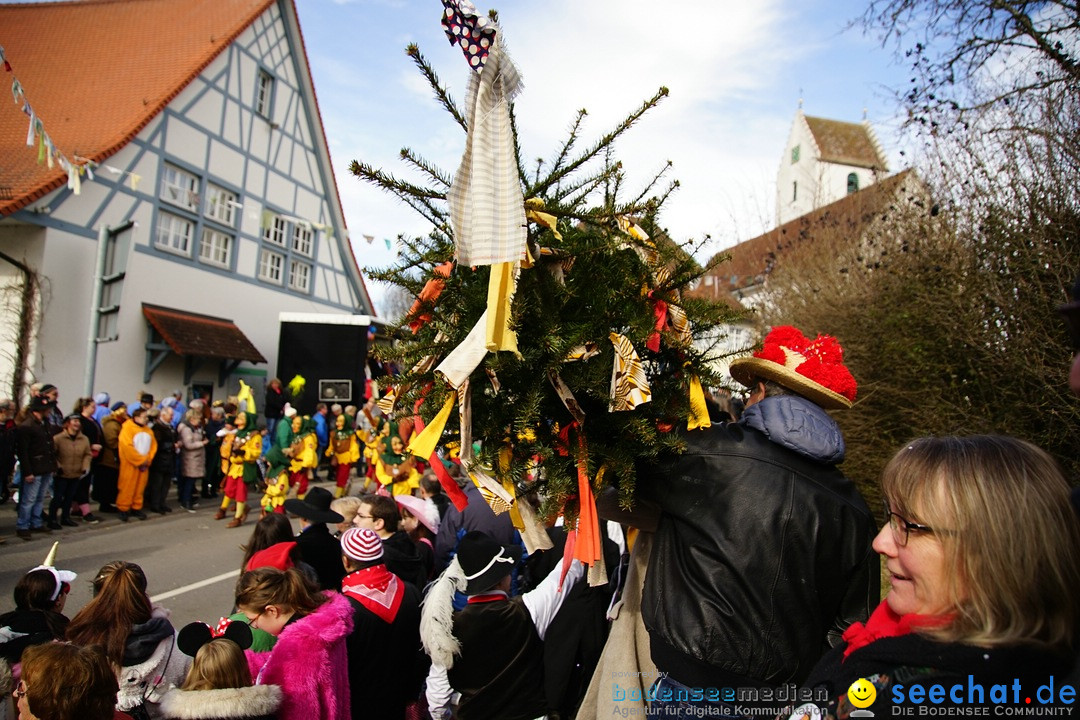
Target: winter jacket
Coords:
[(275, 403), (165, 457), (895, 665), (762, 557), (192, 451), (34, 446), (258, 702), (110, 436), (72, 454), (152, 664), (322, 430), (322, 551), (19, 629), (310, 663)]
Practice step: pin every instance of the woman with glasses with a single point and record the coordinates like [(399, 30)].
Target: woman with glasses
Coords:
[(309, 659), (982, 550), (66, 682)]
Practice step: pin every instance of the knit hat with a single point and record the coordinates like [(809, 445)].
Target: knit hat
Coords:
[(289, 411), (361, 544), (812, 368), (46, 388), (102, 398), (117, 405)]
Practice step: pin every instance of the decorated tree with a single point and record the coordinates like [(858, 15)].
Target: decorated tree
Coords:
[(549, 306)]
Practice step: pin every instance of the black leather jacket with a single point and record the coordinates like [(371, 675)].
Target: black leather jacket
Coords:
[(762, 556)]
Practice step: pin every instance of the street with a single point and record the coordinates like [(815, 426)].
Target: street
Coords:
[(191, 561)]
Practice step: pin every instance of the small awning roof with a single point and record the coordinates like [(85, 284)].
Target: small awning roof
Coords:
[(193, 335)]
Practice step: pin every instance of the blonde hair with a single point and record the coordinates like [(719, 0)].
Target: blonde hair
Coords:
[(346, 507), (219, 664), (1000, 508)]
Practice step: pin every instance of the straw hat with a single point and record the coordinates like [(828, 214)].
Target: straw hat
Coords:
[(812, 368)]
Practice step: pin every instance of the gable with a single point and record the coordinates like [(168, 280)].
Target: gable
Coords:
[(98, 99), (845, 143)]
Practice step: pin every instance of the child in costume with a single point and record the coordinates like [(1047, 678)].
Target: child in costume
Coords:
[(344, 450), (218, 684), (393, 469), (246, 449), (277, 482), (302, 448), (310, 453)]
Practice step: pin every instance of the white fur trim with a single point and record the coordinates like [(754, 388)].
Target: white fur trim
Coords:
[(225, 703)]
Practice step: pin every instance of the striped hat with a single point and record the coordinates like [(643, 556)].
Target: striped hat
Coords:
[(361, 544)]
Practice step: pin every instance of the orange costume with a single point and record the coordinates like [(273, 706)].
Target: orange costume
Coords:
[(136, 447)]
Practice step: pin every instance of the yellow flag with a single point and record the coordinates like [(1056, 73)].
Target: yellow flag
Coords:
[(423, 445)]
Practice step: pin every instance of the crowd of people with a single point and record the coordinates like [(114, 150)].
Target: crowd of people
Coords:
[(749, 564)]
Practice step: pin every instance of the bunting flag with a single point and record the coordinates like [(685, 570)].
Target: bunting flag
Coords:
[(629, 384)]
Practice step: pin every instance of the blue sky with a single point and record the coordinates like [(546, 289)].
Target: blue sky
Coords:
[(736, 72)]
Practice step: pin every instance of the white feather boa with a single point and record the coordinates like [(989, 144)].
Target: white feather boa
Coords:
[(437, 616)]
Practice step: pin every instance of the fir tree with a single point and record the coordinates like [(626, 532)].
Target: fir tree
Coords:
[(595, 280)]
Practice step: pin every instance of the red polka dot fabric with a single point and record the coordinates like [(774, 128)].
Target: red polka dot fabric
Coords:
[(473, 33)]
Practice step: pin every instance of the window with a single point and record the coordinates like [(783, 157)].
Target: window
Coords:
[(180, 187), (174, 234), (275, 231), (794, 154), (270, 266), (794, 191), (299, 275), (264, 93), (302, 240), (215, 248), (221, 205), (852, 183), (188, 226)]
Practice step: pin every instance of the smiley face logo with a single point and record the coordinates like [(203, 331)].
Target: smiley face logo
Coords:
[(862, 693)]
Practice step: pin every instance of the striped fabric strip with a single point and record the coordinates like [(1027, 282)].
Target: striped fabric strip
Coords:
[(487, 208), (629, 385)]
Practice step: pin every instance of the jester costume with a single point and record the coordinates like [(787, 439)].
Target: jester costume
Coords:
[(277, 482), (393, 469), (344, 450), (246, 448), (304, 455)]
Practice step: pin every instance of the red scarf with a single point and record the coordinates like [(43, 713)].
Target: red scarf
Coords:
[(377, 589), (883, 623)]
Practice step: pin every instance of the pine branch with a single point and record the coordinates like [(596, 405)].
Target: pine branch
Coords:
[(564, 151), (416, 197), (601, 144), (652, 183), (425, 167), (413, 51)]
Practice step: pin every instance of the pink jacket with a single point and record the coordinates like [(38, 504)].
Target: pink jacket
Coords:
[(309, 663)]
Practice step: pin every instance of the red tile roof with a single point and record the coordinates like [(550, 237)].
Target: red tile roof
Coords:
[(845, 143), (201, 335), (751, 261), (97, 71)]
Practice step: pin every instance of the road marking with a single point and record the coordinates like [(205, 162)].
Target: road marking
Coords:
[(194, 586)]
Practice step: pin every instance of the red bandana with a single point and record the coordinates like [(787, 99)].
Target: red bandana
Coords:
[(883, 623), (377, 589)]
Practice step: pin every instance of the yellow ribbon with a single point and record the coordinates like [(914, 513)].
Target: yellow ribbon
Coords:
[(501, 285), (532, 212), (424, 444), (699, 412)]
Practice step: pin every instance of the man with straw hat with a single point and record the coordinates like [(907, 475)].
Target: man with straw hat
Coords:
[(762, 554)]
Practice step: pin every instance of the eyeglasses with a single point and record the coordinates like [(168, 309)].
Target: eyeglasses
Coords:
[(20, 691), (365, 517), (251, 621), (901, 526)]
